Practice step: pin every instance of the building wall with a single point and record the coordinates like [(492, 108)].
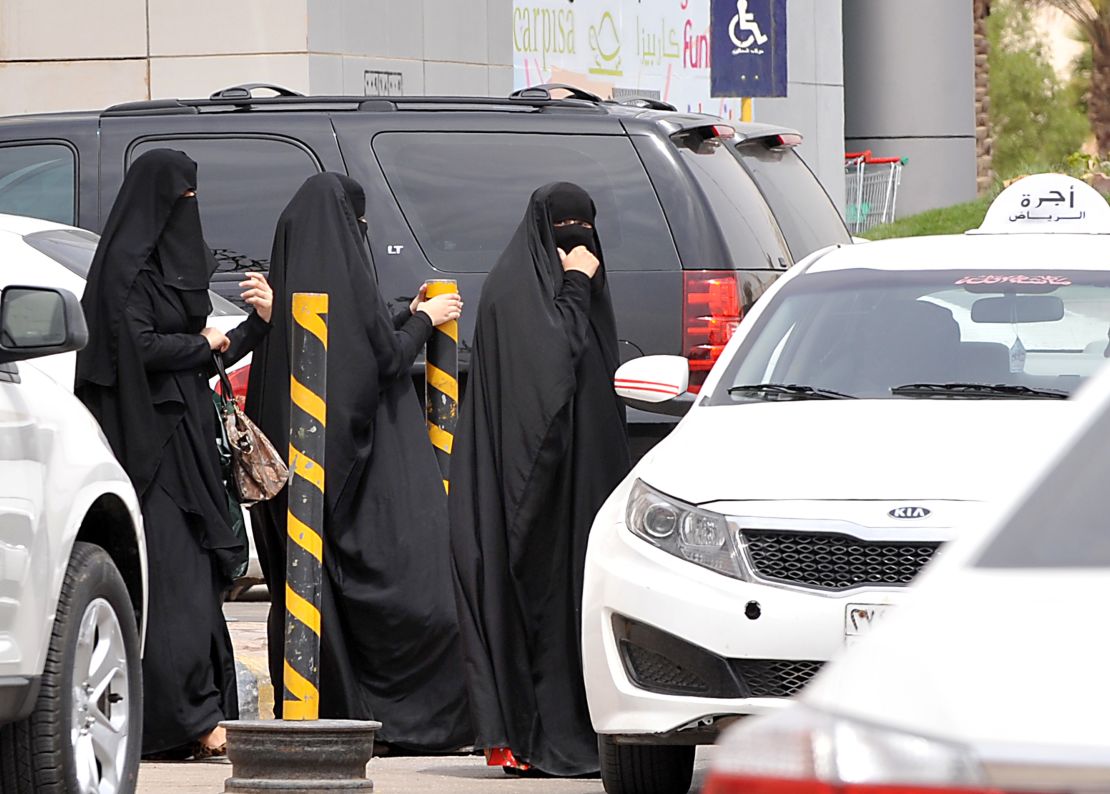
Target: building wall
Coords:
[(61, 55), (815, 104), (909, 77)]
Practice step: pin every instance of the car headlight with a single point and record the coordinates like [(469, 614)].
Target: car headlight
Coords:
[(698, 536)]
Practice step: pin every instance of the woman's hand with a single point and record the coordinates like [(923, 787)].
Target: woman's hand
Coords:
[(579, 259), (421, 296), (442, 308), (217, 339), (259, 294)]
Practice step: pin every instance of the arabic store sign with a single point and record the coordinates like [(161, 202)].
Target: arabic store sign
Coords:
[(619, 48)]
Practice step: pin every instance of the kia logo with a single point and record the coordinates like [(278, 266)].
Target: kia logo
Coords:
[(910, 512)]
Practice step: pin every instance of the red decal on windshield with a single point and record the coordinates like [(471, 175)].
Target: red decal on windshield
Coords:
[(1057, 281)]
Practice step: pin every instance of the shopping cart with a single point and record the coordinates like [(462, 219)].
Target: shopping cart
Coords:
[(871, 186)]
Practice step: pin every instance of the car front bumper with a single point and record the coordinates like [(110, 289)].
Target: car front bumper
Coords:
[(670, 647)]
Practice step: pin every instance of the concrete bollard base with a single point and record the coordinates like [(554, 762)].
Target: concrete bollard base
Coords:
[(311, 756)]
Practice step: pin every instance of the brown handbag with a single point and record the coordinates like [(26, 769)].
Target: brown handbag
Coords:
[(258, 472)]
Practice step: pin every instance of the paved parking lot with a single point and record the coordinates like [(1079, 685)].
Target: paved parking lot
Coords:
[(450, 775), (455, 774)]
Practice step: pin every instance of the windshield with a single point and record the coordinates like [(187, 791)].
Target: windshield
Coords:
[(937, 334), (808, 218), (73, 249)]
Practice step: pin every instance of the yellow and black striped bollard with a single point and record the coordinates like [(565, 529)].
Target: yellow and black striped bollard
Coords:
[(441, 384), (305, 547)]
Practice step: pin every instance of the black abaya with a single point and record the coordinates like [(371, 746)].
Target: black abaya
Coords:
[(541, 443), (144, 376), (389, 635)]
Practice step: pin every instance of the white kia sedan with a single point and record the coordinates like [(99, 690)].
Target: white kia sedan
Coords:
[(988, 678), (867, 411)]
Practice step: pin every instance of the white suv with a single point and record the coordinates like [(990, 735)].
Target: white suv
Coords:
[(72, 571)]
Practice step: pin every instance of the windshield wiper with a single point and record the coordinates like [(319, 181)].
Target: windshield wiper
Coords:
[(976, 390), (790, 391)]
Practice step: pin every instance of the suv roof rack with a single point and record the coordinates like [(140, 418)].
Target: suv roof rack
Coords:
[(246, 90), (648, 103), (543, 92), (241, 98)]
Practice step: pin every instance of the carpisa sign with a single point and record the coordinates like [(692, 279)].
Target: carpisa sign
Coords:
[(748, 48)]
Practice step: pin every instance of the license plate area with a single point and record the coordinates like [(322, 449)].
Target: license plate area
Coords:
[(860, 619)]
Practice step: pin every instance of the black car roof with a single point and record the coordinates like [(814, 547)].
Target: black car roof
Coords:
[(240, 99)]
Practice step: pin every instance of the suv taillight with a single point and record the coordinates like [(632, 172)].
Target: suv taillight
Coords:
[(711, 312), (239, 379)]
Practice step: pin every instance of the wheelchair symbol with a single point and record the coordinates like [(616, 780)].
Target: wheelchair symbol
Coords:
[(745, 21)]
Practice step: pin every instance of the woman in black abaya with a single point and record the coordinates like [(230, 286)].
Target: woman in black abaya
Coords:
[(541, 443), (144, 376), (389, 636)]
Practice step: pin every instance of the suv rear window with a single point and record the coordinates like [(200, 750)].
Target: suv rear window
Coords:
[(243, 184), (37, 181), (806, 215), (464, 194), (749, 227)]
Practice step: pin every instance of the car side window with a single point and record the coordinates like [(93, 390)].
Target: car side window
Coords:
[(243, 184), (38, 180), (464, 194)]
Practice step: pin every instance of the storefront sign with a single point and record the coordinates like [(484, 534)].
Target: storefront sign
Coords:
[(620, 48)]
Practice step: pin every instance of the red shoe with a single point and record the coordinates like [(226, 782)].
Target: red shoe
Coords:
[(503, 757)]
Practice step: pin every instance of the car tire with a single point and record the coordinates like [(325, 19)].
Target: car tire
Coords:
[(95, 622), (645, 768)]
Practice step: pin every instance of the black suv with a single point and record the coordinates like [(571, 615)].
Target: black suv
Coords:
[(697, 216)]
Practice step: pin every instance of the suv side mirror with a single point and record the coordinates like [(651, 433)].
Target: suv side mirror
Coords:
[(40, 321), (655, 383)]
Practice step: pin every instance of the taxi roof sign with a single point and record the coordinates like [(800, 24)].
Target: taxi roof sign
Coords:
[(1047, 204)]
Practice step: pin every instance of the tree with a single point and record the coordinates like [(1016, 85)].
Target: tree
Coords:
[(1093, 19), (1035, 120)]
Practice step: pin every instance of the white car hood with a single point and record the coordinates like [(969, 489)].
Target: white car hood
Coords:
[(897, 449)]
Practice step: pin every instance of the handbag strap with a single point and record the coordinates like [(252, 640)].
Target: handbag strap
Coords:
[(227, 392)]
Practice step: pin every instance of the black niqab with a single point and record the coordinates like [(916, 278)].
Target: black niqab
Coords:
[(568, 202), (150, 192), (390, 640), (541, 443), (183, 258)]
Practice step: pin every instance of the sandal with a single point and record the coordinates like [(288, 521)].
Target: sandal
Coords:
[(202, 751)]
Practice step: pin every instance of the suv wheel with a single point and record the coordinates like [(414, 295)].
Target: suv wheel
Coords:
[(645, 768), (85, 733)]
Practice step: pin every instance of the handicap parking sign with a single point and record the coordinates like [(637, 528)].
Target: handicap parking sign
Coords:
[(748, 48)]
